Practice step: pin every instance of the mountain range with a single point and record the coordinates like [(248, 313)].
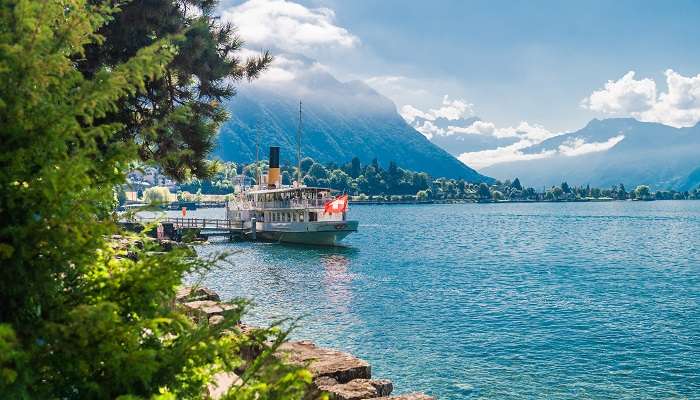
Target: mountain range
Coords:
[(340, 120), (633, 153)]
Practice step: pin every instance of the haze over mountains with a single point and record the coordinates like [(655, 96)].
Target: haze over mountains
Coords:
[(603, 153), (612, 151), (340, 120)]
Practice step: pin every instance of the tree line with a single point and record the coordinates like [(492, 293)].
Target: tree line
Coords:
[(372, 181)]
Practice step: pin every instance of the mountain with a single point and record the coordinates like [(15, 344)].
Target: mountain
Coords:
[(613, 151), (340, 120)]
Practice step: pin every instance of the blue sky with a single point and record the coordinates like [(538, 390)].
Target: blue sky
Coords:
[(515, 64)]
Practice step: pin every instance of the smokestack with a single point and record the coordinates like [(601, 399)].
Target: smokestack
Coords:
[(273, 175)]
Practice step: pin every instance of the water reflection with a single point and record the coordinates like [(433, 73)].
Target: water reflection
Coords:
[(337, 281)]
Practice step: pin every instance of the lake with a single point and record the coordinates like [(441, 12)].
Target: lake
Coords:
[(555, 300)]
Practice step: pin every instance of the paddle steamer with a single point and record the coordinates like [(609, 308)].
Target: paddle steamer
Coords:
[(293, 214)]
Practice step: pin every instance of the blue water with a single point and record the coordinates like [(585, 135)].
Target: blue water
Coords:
[(579, 300)]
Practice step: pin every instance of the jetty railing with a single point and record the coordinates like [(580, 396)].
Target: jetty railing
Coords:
[(197, 223)]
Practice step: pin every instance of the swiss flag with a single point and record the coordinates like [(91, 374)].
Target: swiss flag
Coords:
[(339, 205)]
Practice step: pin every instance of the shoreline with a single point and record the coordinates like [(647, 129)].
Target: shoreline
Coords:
[(340, 374), (196, 206)]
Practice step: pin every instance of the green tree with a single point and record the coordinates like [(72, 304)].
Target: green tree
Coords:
[(516, 184), (484, 192), (642, 192), (565, 187), (355, 167), (318, 171), (306, 164), (156, 194), (78, 319), (176, 118), (621, 192), (339, 180), (558, 192)]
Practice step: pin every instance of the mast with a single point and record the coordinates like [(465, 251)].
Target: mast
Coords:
[(257, 154), (299, 148)]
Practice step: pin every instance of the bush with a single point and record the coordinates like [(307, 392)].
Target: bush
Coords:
[(79, 319), (156, 195)]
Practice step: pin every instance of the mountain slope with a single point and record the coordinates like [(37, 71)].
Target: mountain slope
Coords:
[(643, 153), (340, 121)]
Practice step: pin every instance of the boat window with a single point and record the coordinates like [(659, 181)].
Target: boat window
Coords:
[(289, 217), (313, 216)]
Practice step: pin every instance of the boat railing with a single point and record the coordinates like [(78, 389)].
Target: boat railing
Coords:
[(292, 203)]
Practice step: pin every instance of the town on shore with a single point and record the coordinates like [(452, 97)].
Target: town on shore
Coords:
[(371, 184)]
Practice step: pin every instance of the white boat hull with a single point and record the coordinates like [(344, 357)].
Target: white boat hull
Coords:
[(326, 233)]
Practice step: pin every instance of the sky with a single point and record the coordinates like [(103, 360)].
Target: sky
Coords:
[(529, 68)]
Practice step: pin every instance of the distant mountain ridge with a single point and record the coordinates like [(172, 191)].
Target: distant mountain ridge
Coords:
[(647, 153), (339, 121)]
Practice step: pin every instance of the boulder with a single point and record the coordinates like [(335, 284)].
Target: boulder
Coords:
[(408, 396), (204, 310), (223, 381), (356, 389), (196, 293), (342, 367)]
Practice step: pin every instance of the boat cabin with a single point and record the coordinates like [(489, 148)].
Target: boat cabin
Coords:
[(292, 204)]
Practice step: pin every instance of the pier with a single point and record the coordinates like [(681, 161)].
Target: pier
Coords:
[(176, 228)]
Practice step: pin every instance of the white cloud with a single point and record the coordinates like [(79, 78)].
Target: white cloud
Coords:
[(450, 110), (525, 130), (679, 106), (476, 128), (514, 152), (626, 95), (529, 135), (487, 158), (288, 26), (578, 146), (410, 113), (428, 129)]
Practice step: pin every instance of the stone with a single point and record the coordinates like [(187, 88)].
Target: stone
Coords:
[(216, 320), (190, 293), (206, 309), (408, 396), (223, 381), (356, 389), (322, 362)]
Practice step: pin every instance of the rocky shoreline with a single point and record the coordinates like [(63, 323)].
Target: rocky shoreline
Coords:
[(341, 375)]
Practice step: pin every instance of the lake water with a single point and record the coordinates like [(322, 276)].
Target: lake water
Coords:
[(567, 300)]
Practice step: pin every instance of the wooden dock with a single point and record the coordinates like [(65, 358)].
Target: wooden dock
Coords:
[(178, 228)]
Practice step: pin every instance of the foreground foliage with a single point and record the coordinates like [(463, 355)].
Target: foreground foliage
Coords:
[(175, 119), (78, 319)]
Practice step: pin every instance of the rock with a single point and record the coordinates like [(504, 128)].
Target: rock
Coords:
[(196, 293), (206, 309), (356, 389), (223, 381), (338, 365), (408, 396), (216, 320)]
